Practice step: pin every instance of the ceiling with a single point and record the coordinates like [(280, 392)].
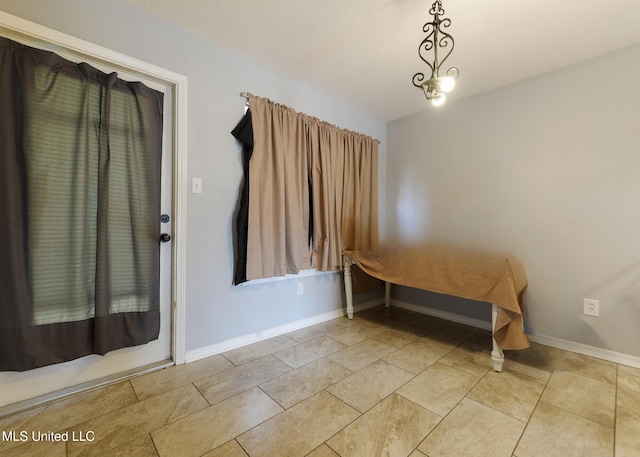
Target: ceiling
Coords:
[(364, 52)]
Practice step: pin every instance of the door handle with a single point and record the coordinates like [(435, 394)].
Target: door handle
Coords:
[(165, 237)]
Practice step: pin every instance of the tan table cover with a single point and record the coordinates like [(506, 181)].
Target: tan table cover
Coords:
[(471, 274)]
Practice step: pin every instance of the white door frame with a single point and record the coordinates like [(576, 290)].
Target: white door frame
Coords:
[(36, 35)]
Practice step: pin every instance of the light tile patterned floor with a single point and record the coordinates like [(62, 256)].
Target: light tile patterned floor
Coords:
[(387, 383)]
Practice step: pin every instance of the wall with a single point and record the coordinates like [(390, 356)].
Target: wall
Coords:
[(216, 311), (547, 168)]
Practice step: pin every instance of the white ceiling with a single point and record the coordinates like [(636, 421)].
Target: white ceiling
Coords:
[(365, 52)]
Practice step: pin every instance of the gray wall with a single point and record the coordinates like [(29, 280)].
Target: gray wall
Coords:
[(216, 311), (547, 168)]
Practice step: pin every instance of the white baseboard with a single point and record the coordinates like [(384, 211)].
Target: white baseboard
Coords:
[(234, 343), (471, 321), (207, 351), (558, 343), (367, 305), (584, 349)]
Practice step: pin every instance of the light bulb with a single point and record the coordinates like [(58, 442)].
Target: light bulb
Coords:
[(447, 83), (438, 100)]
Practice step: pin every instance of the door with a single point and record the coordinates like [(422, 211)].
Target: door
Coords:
[(94, 369)]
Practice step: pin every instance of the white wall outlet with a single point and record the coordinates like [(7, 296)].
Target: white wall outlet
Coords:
[(300, 288), (196, 186), (591, 307)]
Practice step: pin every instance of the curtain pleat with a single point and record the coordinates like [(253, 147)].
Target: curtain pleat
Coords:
[(327, 169), (80, 156), (14, 277)]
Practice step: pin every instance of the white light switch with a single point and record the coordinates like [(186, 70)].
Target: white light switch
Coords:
[(196, 186)]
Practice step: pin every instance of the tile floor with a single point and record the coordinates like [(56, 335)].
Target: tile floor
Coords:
[(387, 383)]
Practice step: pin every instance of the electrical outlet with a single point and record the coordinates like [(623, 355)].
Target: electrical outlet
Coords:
[(591, 307), (300, 288)]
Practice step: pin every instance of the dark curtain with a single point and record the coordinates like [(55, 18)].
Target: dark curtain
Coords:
[(80, 157), (243, 132)]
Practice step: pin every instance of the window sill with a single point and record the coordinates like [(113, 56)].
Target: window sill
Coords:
[(301, 274)]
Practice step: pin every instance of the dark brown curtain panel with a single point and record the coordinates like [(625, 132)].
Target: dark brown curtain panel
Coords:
[(80, 155)]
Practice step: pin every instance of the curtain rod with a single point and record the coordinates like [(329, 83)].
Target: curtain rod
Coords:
[(246, 95)]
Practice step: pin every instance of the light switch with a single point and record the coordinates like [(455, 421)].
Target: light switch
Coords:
[(196, 185)]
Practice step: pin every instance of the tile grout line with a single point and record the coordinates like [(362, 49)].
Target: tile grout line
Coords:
[(546, 384), (134, 390), (202, 394), (246, 451), (155, 447), (276, 401), (355, 419), (457, 403)]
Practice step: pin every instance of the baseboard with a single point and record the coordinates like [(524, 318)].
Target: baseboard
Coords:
[(207, 351), (584, 349), (558, 343), (471, 321), (234, 343), (367, 305)]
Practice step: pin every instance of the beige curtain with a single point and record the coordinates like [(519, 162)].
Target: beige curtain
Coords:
[(278, 236), (291, 150), (344, 175)]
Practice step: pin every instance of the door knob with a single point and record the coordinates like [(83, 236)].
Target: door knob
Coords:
[(165, 237)]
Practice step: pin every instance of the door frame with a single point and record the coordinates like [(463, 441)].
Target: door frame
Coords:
[(36, 35)]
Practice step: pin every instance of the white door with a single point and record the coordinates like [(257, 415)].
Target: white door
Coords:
[(90, 370)]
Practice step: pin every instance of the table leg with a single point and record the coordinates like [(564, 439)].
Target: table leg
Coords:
[(346, 263), (387, 294), (497, 356)]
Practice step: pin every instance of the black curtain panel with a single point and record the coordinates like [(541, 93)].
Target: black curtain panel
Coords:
[(80, 157), (243, 132)]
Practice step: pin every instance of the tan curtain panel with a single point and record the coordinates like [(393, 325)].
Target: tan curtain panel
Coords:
[(344, 176), (360, 192), (313, 192), (278, 235), (326, 149)]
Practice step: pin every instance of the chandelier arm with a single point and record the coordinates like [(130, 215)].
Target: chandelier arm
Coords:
[(427, 44), (418, 79), (445, 40)]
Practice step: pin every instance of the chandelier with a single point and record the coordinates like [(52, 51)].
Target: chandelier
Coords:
[(437, 39)]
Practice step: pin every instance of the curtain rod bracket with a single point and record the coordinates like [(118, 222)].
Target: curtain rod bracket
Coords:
[(246, 103)]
